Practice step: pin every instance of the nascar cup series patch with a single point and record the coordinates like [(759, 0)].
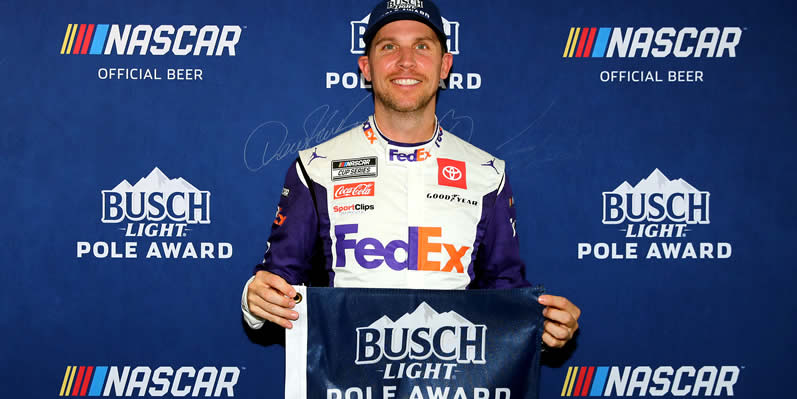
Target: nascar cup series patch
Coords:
[(354, 168), (387, 343)]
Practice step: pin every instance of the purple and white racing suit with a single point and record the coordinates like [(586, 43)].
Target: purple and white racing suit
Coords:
[(360, 210)]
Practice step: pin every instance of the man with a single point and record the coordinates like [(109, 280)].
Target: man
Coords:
[(397, 202)]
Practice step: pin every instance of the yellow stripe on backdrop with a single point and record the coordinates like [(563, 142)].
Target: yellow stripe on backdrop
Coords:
[(68, 368), (71, 378), (567, 47), (569, 369), (66, 38), (71, 39), (572, 380), (575, 40)]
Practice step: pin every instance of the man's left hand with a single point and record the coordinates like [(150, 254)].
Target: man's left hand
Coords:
[(562, 320)]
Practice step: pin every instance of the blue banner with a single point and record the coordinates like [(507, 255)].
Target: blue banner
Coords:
[(385, 343)]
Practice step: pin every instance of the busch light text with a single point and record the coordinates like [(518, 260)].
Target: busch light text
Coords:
[(691, 208), (188, 207), (465, 344)]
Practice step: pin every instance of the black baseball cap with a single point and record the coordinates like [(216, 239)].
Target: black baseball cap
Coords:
[(396, 10)]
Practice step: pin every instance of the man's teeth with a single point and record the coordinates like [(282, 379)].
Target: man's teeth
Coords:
[(406, 82)]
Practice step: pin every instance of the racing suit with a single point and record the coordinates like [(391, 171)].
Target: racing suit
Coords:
[(360, 210)]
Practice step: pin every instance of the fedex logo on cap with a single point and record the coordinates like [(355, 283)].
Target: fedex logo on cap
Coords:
[(370, 253), (417, 155)]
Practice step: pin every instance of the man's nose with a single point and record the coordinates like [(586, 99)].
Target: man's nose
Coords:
[(406, 57)]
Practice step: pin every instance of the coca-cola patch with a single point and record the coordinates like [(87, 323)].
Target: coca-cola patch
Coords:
[(363, 189)]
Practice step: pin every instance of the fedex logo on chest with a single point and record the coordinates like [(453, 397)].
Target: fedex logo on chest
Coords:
[(414, 156), (371, 253)]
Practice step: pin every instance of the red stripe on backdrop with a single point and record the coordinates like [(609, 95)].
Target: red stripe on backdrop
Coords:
[(590, 372), (87, 39), (584, 34), (588, 50), (76, 49), (581, 373), (86, 379), (76, 388)]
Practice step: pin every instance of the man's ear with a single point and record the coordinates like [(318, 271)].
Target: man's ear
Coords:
[(364, 67), (445, 67)]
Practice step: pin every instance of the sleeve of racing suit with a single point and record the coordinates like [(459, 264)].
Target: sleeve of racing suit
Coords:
[(292, 242), (498, 263)]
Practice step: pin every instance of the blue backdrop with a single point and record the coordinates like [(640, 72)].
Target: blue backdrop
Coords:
[(79, 118)]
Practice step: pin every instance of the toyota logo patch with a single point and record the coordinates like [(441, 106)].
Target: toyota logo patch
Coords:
[(451, 173)]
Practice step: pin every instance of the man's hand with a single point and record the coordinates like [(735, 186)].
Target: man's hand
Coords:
[(562, 320), (270, 297)]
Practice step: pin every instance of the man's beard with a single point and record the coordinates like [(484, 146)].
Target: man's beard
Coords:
[(393, 104)]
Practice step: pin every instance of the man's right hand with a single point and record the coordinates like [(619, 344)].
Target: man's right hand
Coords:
[(270, 297)]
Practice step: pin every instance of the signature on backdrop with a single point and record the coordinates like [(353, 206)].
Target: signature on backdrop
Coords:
[(273, 140)]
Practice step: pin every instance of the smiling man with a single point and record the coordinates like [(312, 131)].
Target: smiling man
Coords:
[(397, 202), (405, 61)]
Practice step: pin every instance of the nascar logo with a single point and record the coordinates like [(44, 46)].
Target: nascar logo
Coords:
[(108, 39), (127, 381), (642, 42), (641, 380), (356, 162)]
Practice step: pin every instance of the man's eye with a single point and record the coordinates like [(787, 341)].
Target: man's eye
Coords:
[(422, 46), (388, 47)]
